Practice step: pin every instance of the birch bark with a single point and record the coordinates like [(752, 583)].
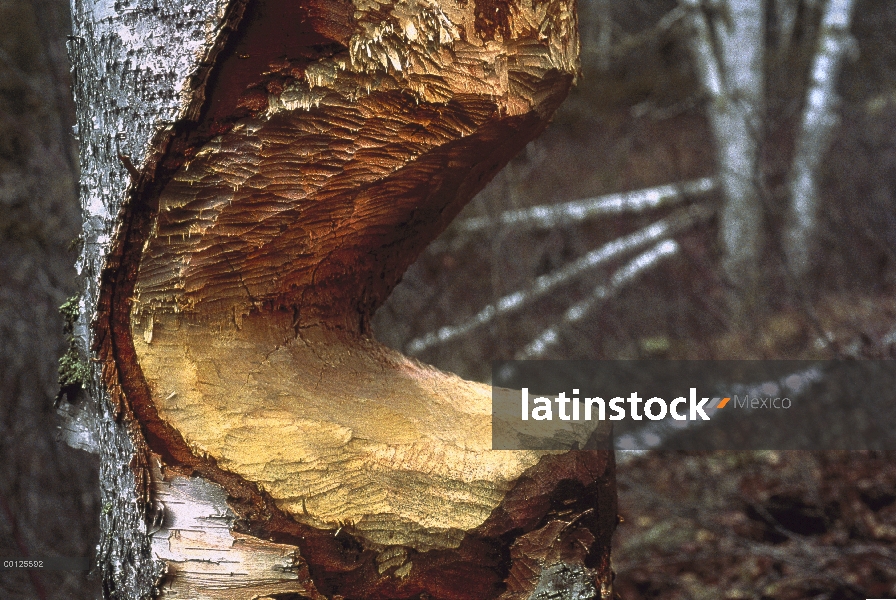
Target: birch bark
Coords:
[(729, 53), (136, 67)]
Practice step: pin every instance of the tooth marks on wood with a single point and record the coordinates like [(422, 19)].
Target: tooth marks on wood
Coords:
[(333, 142)]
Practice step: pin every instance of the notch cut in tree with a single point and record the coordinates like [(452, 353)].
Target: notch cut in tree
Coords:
[(260, 203)]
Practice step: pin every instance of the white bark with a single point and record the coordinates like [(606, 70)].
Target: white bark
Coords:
[(132, 63), (209, 560), (785, 13), (545, 284), (814, 137), (577, 211), (729, 56)]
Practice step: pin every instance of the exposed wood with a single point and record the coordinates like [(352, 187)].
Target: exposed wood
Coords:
[(331, 142)]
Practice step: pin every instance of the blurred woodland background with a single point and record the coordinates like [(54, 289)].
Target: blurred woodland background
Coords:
[(655, 218)]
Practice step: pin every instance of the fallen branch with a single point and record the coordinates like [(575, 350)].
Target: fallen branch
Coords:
[(577, 211), (641, 263), (678, 221)]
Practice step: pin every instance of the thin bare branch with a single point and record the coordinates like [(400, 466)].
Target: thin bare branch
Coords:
[(678, 221), (578, 311), (707, 63), (632, 42), (577, 211)]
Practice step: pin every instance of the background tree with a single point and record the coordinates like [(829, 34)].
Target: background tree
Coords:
[(752, 86), (584, 212)]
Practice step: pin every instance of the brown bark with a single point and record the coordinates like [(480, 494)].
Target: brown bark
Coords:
[(330, 143)]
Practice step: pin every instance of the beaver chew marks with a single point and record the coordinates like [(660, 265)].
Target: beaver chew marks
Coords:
[(325, 172)]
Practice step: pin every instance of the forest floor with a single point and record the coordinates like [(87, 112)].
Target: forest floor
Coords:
[(761, 525), (782, 525)]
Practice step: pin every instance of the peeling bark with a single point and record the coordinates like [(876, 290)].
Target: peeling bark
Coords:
[(206, 558), (256, 176)]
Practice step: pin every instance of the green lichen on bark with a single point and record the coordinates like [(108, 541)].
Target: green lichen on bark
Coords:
[(74, 371)]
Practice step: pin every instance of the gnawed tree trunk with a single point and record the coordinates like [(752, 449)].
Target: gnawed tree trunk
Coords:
[(256, 176)]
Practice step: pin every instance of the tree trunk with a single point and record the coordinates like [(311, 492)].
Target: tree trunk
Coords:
[(729, 53), (255, 178), (819, 120)]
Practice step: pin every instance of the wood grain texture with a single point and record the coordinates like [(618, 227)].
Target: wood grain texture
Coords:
[(341, 169), (339, 431), (336, 140)]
